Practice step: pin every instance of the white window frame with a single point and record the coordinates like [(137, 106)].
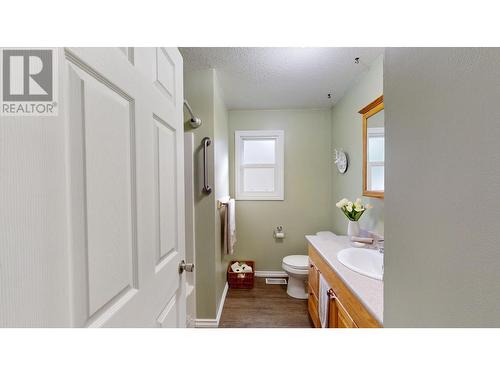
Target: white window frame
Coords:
[(279, 165), (373, 133)]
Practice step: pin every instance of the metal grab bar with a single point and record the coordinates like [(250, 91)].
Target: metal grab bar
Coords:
[(206, 187)]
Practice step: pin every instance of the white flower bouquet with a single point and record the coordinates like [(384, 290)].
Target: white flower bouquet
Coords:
[(353, 211)]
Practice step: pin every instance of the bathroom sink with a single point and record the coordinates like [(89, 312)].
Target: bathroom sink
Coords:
[(367, 262)]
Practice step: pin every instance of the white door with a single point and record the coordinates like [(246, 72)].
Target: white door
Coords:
[(121, 110)]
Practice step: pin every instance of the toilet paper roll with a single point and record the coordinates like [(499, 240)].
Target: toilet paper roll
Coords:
[(236, 266), (279, 235)]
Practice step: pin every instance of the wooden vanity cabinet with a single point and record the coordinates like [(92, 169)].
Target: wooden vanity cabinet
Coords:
[(344, 309)]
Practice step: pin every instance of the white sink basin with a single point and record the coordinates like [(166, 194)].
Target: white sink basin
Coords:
[(367, 262)]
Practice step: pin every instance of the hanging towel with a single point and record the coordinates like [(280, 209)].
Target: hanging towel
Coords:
[(324, 300), (229, 226)]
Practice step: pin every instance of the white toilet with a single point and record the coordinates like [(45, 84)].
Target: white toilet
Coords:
[(297, 268)]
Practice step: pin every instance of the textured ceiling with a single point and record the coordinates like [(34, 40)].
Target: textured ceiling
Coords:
[(258, 78)]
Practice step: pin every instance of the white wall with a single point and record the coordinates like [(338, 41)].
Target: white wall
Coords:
[(442, 199)]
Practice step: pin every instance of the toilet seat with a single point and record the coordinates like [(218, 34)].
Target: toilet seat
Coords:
[(296, 262)]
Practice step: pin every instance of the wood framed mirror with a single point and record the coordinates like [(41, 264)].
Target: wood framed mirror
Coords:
[(374, 148)]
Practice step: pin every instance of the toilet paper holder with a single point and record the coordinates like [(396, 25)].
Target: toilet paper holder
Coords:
[(278, 232)]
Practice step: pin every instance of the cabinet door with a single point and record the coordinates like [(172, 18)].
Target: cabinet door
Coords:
[(332, 311), (344, 320), (338, 317), (313, 288), (313, 279), (312, 305)]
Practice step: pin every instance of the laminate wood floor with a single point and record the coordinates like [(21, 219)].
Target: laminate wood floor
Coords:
[(264, 306)]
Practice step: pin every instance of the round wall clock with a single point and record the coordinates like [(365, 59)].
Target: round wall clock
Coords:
[(342, 161)]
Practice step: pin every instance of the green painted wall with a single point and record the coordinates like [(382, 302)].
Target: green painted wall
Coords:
[(203, 93), (347, 134), (308, 189)]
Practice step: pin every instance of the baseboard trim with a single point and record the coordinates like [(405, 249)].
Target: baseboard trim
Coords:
[(270, 274), (213, 323), (206, 323)]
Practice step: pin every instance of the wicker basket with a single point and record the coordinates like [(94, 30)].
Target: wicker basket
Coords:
[(241, 280)]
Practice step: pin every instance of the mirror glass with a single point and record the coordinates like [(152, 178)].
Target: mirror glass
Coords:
[(373, 148)]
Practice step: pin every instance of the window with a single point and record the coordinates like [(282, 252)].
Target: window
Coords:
[(376, 158), (259, 163)]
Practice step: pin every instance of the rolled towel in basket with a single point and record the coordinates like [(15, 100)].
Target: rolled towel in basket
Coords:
[(236, 267), (246, 268)]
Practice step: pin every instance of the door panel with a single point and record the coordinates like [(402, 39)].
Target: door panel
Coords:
[(165, 74), (166, 176), (109, 204), (168, 317), (108, 180)]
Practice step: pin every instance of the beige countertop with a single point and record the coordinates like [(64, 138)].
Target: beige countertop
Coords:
[(370, 292)]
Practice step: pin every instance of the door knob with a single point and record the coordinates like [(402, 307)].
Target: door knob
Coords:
[(188, 267)]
